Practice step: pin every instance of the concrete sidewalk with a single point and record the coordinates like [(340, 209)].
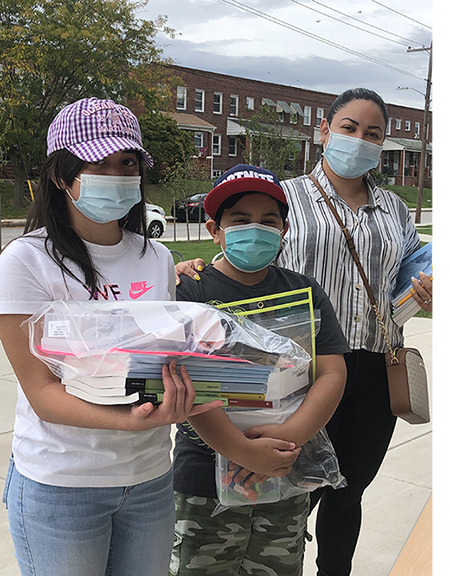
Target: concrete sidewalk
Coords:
[(392, 504)]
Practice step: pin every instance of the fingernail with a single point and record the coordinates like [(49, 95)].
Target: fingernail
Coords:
[(412, 290), (197, 277), (200, 268), (177, 281)]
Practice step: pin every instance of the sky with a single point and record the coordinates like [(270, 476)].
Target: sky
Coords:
[(220, 36)]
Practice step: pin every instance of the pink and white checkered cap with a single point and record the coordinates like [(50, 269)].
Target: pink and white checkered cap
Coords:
[(92, 129)]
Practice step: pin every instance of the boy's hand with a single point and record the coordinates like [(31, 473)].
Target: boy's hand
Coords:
[(189, 268), (177, 404), (266, 457)]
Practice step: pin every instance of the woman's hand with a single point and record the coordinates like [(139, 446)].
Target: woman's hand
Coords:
[(177, 404), (189, 268), (422, 291)]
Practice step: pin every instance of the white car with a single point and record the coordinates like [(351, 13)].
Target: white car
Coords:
[(156, 222)]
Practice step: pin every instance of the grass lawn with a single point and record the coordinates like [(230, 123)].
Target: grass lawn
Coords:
[(426, 229), (205, 249), (409, 195)]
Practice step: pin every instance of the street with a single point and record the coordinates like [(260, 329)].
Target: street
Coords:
[(9, 233), (196, 231)]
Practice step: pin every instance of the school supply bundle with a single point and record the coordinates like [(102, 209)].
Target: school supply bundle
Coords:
[(113, 352), (291, 314), (404, 305), (316, 466), (407, 376)]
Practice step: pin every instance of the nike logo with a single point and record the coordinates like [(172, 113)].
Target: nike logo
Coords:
[(138, 289)]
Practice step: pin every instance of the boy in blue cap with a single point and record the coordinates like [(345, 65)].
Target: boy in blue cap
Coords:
[(248, 210)]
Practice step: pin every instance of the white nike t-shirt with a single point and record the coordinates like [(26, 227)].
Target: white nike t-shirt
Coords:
[(66, 455)]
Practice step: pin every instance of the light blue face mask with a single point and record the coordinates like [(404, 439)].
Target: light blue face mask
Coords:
[(106, 198), (251, 247), (351, 157)]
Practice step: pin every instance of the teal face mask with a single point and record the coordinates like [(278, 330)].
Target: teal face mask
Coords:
[(107, 198), (251, 247), (351, 157)]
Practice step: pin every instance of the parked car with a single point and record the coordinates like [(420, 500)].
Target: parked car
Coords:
[(156, 222), (194, 204)]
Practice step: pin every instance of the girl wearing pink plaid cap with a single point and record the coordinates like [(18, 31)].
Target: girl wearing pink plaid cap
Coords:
[(89, 489)]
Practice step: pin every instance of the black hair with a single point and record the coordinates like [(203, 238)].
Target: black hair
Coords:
[(50, 210), (358, 94), (234, 199)]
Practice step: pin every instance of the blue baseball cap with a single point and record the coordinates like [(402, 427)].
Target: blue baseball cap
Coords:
[(243, 178)]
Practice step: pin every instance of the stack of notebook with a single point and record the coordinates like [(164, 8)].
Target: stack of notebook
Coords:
[(236, 382)]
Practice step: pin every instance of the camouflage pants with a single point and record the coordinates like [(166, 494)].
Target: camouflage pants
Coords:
[(261, 540)]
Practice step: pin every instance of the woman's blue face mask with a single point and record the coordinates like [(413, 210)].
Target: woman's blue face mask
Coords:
[(351, 157), (107, 198), (251, 247)]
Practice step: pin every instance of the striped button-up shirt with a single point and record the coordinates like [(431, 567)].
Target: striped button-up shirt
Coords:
[(384, 235)]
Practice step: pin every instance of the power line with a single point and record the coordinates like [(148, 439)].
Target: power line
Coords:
[(348, 23), (401, 14), (318, 38), (367, 23)]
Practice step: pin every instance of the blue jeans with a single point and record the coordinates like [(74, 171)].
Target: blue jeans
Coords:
[(60, 531)]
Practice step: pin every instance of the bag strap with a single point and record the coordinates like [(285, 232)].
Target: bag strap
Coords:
[(351, 247)]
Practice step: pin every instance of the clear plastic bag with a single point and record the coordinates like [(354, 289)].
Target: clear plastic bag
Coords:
[(317, 465), (97, 340)]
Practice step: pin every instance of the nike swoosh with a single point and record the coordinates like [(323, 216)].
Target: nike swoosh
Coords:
[(136, 295)]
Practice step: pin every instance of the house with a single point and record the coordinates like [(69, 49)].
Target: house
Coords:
[(225, 104)]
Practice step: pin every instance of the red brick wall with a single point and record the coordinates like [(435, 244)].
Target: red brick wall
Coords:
[(212, 82)]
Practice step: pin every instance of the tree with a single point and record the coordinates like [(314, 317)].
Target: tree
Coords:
[(167, 144), (53, 52), (269, 146)]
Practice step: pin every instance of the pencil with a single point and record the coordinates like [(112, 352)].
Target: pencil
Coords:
[(409, 296)]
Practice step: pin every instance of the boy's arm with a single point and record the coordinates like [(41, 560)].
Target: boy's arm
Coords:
[(264, 456), (316, 409)]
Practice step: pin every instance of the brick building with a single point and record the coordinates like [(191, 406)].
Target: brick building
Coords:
[(215, 106)]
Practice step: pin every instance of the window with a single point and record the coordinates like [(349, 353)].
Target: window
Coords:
[(398, 124), (250, 103), (217, 144), (198, 141), (319, 116), (294, 118), (417, 130), (407, 125), (232, 146), (217, 106), (199, 100), (181, 97), (234, 105), (307, 116), (388, 127)]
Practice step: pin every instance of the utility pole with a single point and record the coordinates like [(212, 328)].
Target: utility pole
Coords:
[(426, 114)]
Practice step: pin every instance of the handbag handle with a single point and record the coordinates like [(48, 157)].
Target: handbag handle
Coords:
[(351, 247)]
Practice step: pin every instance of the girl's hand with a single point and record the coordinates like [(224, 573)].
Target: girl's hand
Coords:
[(177, 403), (422, 291), (189, 268)]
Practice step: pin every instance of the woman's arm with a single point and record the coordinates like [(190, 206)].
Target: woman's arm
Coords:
[(52, 403), (189, 268)]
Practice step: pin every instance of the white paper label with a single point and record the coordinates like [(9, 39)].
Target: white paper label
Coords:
[(59, 328)]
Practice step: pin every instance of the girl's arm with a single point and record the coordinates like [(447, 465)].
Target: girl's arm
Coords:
[(52, 403)]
